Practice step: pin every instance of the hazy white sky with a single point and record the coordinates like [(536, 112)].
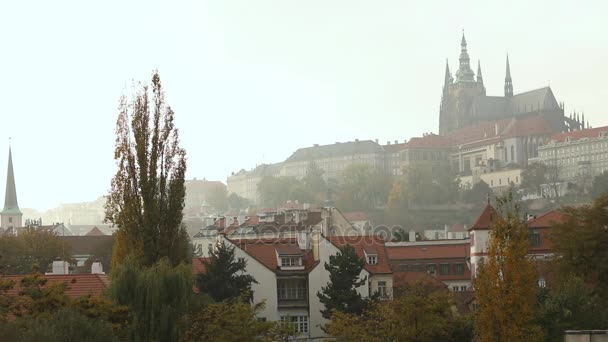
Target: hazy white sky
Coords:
[(253, 80)]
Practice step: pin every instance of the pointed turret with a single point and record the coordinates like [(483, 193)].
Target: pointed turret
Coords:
[(464, 73), (448, 74), (508, 81), (479, 77), (11, 215)]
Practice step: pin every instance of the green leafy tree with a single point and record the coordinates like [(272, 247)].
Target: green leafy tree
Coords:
[(233, 321), (361, 188), (314, 182), (237, 202), (218, 198), (533, 177), (225, 277), (600, 185), (274, 191), (479, 193), (419, 314), (506, 281), (63, 325), (147, 193), (341, 294), (158, 296), (581, 242), (569, 305), (32, 247)]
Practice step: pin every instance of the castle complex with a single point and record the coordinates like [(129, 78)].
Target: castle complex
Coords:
[(464, 101)]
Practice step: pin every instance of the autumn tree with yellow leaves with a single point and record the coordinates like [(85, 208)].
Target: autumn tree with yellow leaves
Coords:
[(506, 281)]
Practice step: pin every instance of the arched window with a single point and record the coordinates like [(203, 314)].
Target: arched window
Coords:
[(512, 153)]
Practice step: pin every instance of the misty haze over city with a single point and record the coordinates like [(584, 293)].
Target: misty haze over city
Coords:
[(253, 81)]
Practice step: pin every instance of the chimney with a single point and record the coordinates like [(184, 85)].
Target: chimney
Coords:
[(396, 142), (96, 267), (315, 237), (376, 141), (412, 235), (60, 267)]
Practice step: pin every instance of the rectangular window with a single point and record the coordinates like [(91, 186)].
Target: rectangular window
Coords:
[(444, 269), (459, 268), (299, 323), (290, 261), (463, 288), (382, 290), (372, 259), (431, 268), (534, 239)]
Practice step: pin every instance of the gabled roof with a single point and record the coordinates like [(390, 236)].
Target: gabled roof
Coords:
[(547, 220), (360, 243), (78, 284), (585, 133), (534, 100), (485, 220), (439, 251), (95, 232), (264, 251)]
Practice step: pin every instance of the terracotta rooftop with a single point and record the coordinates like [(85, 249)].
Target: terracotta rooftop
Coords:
[(430, 141), (198, 265), (264, 251), (428, 251), (547, 219), (585, 133), (78, 284), (360, 243), (484, 221)]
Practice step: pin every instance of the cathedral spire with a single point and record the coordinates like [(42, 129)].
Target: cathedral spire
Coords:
[(479, 77), (464, 73), (10, 198), (448, 75), (11, 215), (508, 81)]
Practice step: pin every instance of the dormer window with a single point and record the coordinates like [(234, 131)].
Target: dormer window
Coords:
[(289, 258), (371, 255), (372, 259), (291, 261)]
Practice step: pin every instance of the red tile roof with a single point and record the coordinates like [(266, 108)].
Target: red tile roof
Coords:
[(264, 251), (485, 219), (198, 265), (78, 284), (547, 220), (431, 141), (585, 133), (362, 242), (534, 125), (428, 251)]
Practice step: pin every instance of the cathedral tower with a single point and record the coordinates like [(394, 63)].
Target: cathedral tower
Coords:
[(10, 216), (457, 98)]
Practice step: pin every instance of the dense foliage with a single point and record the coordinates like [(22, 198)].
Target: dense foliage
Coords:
[(419, 314), (32, 247), (147, 194), (225, 277), (158, 297)]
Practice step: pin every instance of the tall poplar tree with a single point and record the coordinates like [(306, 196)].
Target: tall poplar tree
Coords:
[(506, 281), (147, 193)]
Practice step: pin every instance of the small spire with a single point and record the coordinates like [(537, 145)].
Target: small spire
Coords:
[(479, 77), (10, 196), (448, 74), (463, 42), (508, 81)]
